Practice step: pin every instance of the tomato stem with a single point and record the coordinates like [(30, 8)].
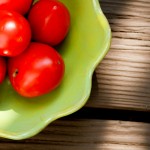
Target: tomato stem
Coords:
[(15, 73)]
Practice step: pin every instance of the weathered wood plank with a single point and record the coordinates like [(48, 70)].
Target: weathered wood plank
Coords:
[(122, 79), (87, 134)]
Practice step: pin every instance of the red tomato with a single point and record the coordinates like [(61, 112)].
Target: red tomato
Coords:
[(15, 33), (2, 69), (38, 70), (50, 21), (20, 6)]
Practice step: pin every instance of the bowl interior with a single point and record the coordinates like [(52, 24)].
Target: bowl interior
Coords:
[(85, 46)]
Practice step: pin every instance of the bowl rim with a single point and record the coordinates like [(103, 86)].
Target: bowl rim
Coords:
[(82, 102)]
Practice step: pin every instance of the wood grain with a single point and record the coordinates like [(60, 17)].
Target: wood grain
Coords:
[(122, 79), (80, 134)]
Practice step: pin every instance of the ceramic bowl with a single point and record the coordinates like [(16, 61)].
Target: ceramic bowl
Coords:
[(85, 46)]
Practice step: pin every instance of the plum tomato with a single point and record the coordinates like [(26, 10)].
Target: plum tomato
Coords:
[(36, 71), (20, 6), (15, 33), (49, 21), (2, 69)]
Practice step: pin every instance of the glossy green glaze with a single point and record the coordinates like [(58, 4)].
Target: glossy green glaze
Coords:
[(85, 46)]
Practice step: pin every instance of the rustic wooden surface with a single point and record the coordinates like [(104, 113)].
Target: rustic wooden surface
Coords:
[(121, 81), (85, 134)]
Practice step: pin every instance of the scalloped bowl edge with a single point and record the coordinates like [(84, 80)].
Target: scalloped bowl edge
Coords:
[(82, 102)]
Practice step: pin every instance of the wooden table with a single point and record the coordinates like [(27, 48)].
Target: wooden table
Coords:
[(117, 114)]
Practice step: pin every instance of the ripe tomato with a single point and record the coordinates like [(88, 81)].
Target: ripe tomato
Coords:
[(20, 6), (38, 70), (50, 21), (15, 33), (2, 69)]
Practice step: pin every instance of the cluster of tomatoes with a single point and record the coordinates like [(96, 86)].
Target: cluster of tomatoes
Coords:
[(29, 31)]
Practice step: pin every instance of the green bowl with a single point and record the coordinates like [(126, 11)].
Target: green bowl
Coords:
[(85, 46)]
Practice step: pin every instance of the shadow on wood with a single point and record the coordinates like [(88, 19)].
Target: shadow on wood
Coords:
[(85, 134), (123, 77)]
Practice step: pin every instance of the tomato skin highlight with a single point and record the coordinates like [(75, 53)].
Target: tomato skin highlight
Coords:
[(37, 71), (20, 6), (2, 69), (15, 33), (50, 21)]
